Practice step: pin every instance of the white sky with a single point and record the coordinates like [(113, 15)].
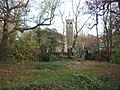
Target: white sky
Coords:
[(66, 7)]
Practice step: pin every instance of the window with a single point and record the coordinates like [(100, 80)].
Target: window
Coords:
[(70, 22)]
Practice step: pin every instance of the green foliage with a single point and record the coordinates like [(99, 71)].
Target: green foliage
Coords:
[(46, 45), (85, 82), (116, 53), (1, 78), (24, 47), (60, 76), (75, 82), (50, 65), (37, 45)]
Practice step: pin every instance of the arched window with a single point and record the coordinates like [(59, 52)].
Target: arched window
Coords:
[(70, 22)]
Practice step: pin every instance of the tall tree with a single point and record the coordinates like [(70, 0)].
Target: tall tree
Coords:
[(78, 11), (93, 6), (14, 16), (109, 9), (63, 25)]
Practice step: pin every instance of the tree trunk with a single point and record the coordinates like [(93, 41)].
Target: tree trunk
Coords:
[(4, 51), (97, 37), (110, 34), (62, 39), (119, 5), (75, 38)]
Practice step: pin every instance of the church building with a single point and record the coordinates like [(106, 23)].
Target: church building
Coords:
[(69, 34)]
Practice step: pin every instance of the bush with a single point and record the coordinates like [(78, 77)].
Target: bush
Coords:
[(104, 55), (116, 54), (43, 56)]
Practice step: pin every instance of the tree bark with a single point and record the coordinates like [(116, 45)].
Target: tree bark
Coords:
[(110, 25), (4, 51), (97, 36)]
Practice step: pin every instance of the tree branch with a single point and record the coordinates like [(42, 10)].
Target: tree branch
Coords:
[(20, 5), (29, 28), (83, 25), (92, 26)]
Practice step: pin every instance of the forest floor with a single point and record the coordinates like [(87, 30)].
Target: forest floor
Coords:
[(35, 73)]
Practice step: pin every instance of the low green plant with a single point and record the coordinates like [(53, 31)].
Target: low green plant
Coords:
[(1, 78), (48, 65), (116, 54), (76, 81)]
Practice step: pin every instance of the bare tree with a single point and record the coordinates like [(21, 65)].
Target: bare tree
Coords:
[(14, 16), (78, 11), (107, 9), (106, 4), (93, 6), (63, 24)]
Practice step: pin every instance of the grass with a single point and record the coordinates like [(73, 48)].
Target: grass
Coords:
[(62, 75)]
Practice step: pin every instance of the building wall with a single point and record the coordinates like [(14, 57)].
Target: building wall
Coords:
[(69, 32)]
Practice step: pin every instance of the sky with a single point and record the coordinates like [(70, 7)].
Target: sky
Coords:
[(66, 8)]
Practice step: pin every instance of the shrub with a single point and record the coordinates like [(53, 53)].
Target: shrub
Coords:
[(116, 54)]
